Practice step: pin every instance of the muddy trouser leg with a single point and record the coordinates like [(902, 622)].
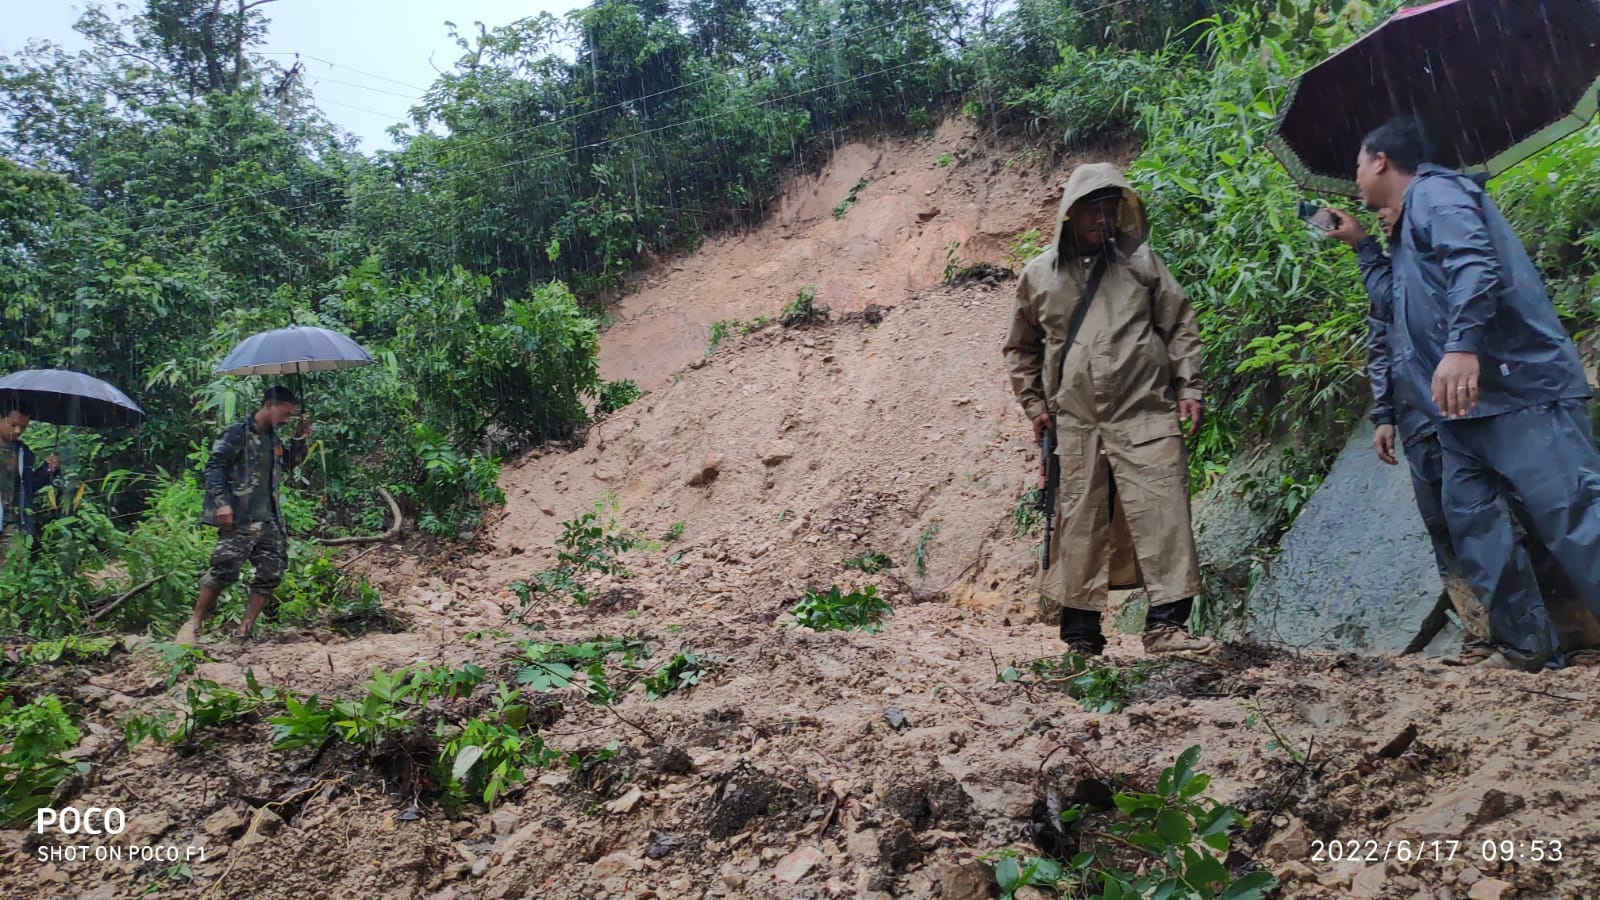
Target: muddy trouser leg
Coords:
[(1081, 627), (1426, 460), (1492, 560), (1174, 613), (1548, 456)]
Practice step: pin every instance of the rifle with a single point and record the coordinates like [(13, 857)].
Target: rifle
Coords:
[(1052, 484), (1048, 437)]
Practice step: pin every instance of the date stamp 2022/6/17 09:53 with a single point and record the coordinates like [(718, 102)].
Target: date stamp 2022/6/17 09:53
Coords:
[(1487, 850)]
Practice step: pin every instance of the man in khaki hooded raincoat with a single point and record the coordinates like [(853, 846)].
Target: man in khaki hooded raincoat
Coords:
[(1117, 397)]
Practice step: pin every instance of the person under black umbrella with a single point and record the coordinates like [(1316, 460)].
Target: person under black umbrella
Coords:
[(21, 478), (1476, 345), (242, 478)]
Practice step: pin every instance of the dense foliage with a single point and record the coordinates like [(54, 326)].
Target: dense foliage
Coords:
[(168, 190)]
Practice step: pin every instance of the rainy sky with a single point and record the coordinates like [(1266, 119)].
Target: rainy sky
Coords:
[(367, 61)]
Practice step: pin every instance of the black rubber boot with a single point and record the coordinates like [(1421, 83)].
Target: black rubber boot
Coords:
[(1080, 629)]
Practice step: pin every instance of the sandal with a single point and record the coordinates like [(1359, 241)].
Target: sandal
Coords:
[(1586, 657), (1472, 653)]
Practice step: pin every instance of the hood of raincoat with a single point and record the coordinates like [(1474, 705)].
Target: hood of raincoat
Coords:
[(1133, 226)]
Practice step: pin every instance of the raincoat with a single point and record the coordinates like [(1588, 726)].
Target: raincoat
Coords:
[(1462, 282), (1122, 515)]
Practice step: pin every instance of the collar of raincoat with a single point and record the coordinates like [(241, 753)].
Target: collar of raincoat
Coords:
[(1133, 226)]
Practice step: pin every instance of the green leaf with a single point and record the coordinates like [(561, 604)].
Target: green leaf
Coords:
[(1174, 827), (1007, 874), (1253, 886)]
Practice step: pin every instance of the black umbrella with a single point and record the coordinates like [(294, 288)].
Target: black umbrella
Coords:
[(294, 350), (1494, 81), (64, 397)]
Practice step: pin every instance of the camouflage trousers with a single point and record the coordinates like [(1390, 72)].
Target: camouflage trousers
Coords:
[(261, 543)]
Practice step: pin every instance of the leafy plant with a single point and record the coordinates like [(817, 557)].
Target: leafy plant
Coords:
[(614, 395), (1026, 516), (179, 660), (944, 160), (453, 485), (920, 553), (1170, 843), (71, 648), (589, 544), (720, 330), (556, 666), (953, 264), (674, 532), (869, 561), (490, 752), (1100, 689), (1013, 871), (1024, 247), (861, 610), (682, 671), (803, 310), (849, 200), (34, 735)]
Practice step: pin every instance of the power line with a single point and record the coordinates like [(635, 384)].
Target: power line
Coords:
[(456, 148), (595, 145), (321, 78), (488, 139), (333, 65)]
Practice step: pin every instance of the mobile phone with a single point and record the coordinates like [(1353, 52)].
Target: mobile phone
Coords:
[(1315, 216)]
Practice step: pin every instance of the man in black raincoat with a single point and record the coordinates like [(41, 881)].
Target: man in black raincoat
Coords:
[(1417, 437), (1476, 345)]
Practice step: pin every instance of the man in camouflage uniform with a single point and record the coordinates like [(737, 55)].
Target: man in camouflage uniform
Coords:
[(20, 478), (242, 478)]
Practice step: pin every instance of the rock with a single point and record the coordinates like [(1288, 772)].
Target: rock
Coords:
[(671, 761), (226, 823), (627, 802), (618, 863), (863, 845), (898, 846), (1491, 889), (710, 468), (661, 844), (775, 453), (1368, 882), (735, 881), (928, 214), (479, 868), (1289, 843), (964, 881), (504, 820), (1469, 876), (1319, 593), (1454, 814), (794, 867)]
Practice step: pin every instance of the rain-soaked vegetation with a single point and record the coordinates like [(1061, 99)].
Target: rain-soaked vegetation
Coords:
[(169, 190)]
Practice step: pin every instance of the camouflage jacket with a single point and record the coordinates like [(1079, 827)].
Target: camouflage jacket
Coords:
[(235, 466)]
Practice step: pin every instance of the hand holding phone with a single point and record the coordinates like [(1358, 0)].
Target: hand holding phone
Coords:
[(1315, 216)]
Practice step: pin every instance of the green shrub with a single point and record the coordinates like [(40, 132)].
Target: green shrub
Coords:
[(615, 395), (35, 734), (834, 610)]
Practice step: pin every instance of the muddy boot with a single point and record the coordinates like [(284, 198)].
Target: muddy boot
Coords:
[(1080, 629), (1165, 631)]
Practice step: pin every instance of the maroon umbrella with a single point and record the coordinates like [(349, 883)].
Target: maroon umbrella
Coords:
[(1494, 81)]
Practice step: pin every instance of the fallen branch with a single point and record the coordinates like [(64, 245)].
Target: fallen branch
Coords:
[(391, 534), (128, 595)]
